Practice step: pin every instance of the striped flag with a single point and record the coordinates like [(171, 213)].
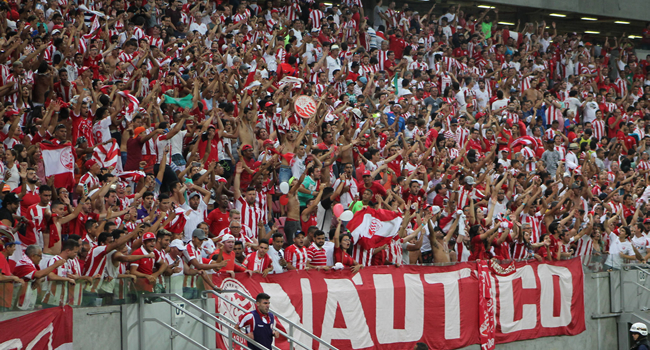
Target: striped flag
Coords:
[(372, 228), (130, 104), (107, 155)]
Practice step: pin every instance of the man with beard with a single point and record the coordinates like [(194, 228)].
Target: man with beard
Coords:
[(28, 192), (219, 218), (316, 255)]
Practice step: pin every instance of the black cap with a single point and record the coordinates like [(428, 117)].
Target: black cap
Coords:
[(11, 198)]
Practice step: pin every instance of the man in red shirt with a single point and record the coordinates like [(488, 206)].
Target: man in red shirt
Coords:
[(374, 186), (251, 166), (397, 44), (227, 254), (259, 261), (316, 256), (475, 142), (144, 268), (219, 218)]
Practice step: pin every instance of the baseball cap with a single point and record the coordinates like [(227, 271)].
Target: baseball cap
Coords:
[(367, 173), (268, 143), (646, 221), (200, 234), (178, 244), (435, 209), (11, 198), (269, 104), (138, 131), (573, 146), (506, 150), (334, 47), (245, 147), (227, 237), (89, 163), (194, 194), (147, 236), (6, 188), (469, 180)]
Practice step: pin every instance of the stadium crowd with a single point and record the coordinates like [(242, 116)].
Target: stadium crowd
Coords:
[(145, 139)]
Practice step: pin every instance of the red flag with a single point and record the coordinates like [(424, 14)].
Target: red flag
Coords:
[(107, 154), (373, 228)]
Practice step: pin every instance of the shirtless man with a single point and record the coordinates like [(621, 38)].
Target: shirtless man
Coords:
[(440, 242), (43, 81), (292, 225), (248, 120), (533, 94)]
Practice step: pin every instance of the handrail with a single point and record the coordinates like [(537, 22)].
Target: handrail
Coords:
[(311, 335), (165, 297), (177, 332), (290, 337)]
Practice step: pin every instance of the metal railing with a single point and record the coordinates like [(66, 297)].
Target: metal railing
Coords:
[(165, 297), (292, 325)]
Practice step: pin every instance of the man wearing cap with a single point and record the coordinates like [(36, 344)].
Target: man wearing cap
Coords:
[(10, 205), (192, 253), (227, 256), (89, 181), (250, 213), (138, 139), (333, 61), (144, 268)]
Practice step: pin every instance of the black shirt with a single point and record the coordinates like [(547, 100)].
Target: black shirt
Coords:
[(5, 214)]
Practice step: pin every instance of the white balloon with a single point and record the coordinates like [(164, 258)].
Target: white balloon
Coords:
[(284, 188), (346, 216)]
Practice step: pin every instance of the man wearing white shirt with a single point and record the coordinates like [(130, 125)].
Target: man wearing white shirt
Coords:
[(276, 253), (333, 61), (482, 95), (590, 108), (195, 209), (500, 102), (619, 248), (571, 158)]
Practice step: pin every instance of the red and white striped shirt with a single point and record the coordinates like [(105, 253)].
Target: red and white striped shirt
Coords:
[(598, 129), (250, 214), (254, 263), (316, 256), (584, 246), (95, 261), (529, 154), (552, 113), (535, 222), (296, 256)]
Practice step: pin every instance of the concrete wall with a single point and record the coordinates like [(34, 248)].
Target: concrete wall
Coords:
[(116, 327), (600, 333)]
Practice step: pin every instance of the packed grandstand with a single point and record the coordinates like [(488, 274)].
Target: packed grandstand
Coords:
[(153, 139)]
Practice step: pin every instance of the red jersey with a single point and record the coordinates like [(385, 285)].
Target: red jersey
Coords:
[(296, 256), (254, 263)]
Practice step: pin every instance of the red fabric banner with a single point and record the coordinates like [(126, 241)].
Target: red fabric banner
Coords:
[(44, 329), (385, 307)]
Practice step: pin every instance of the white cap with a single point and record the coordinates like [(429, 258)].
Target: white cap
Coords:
[(435, 209), (207, 248), (227, 237), (335, 47), (178, 244)]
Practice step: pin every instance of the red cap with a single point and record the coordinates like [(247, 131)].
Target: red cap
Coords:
[(245, 147), (509, 122), (401, 99), (82, 70), (269, 104), (646, 221), (147, 236), (268, 143), (367, 173), (506, 150), (89, 163)]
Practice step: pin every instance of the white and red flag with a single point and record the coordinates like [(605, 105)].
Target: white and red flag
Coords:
[(58, 161), (130, 104), (373, 228), (107, 155)]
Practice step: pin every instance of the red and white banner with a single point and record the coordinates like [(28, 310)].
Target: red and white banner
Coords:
[(58, 161), (372, 228), (386, 307), (45, 329), (107, 154)]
